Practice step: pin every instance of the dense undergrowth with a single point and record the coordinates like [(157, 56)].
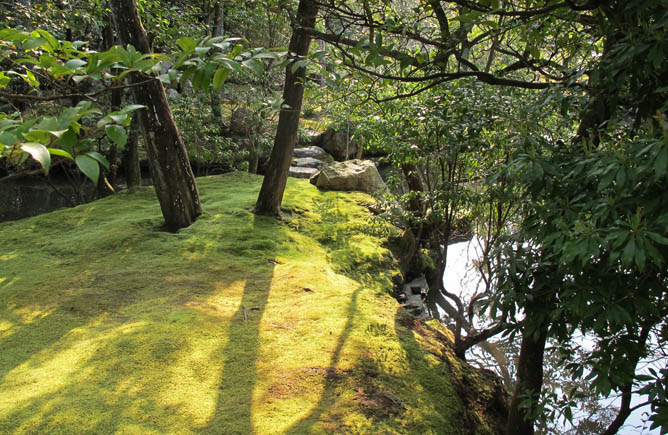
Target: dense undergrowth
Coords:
[(237, 324)]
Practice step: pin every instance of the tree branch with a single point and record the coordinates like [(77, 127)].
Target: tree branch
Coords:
[(90, 96)]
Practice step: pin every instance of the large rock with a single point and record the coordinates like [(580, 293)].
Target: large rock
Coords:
[(242, 122), (349, 175), (337, 144), (313, 152), (413, 296)]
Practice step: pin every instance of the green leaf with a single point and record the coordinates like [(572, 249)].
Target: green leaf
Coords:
[(220, 76), (4, 80), (131, 108), (236, 50), (661, 162), (256, 65), (186, 43), (201, 51), (68, 140), (629, 252), (39, 153), (12, 34), (59, 152), (118, 118), (7, 138), (33, 43), (74, 63), (38, 135), (117, 134), (53, 42), (270, 55), (187, 74), (68, 116), (123, 55), (99, 158), (658, 238), (197, 79), (89, 167), (299, 64)]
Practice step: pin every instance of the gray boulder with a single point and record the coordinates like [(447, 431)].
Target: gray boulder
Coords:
[(313, 152), (414, 294), (172, 94), (336, 144), (242, 123), (349, 175)]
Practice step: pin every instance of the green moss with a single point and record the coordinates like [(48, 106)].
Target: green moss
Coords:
[(237, 324)]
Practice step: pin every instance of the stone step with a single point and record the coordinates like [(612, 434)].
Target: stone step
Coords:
[(299, 172), (307, 162), (313, 152)]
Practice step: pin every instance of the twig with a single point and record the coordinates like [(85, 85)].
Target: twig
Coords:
[(79, 95), (280, 326)]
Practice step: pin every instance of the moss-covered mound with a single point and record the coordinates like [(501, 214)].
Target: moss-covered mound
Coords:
[(238, 324)]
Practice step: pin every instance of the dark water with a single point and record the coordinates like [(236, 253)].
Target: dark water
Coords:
[(32, 196)]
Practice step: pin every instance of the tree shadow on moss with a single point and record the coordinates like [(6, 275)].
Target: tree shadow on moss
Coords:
[(332, 378), (474, 405), (233, 411)]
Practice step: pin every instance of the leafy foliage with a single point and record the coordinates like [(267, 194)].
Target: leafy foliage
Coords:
[(43, 62)]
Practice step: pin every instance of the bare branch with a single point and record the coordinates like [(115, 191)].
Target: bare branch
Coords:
[(90, 96)]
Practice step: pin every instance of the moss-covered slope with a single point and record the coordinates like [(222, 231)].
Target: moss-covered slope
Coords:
[(238, 324)]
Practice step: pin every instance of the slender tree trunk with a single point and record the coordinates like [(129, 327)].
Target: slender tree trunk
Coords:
[(276, 176), (218, 29), (218, 19), (116, 101), (253, 160), (529, 382), (627, 390), (130, 157), (170, 168)]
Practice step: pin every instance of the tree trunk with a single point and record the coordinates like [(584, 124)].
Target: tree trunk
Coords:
[(529, 381), (276, 176), (218, 19), (130, 157), (253, 155), (172, 175), (116, 101), (218, 29)]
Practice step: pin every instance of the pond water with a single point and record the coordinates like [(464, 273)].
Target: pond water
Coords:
[(32, 196), (462, 278)]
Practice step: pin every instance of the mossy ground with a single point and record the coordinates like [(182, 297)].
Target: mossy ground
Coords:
[(237, 324)]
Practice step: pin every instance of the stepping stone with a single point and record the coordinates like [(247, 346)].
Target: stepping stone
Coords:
[(313, 152), (298, 172), (307, 162)]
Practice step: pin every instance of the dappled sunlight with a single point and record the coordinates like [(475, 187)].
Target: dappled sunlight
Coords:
[(32, 313), (8, 282), (192, 379), (84, 214), (5, 326), (222, 303), (10, 256), (52, 369)]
